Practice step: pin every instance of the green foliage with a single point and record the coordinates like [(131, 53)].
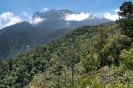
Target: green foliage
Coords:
[(89, 62), (118, 84), (126, 18), (90, 82), (126, 58), (113, 46), (80, 59), (23, 37), (21, 69)]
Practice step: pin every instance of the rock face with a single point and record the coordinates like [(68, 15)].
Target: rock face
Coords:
[(56, 18)]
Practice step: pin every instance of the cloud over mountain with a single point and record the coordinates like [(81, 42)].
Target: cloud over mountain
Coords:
[(8, 18), (36, 20), (112, 16), (45, 9), (77, 17), (83, 16)]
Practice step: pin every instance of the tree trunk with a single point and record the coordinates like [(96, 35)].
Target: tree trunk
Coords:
[(72, 74), (58, 82)]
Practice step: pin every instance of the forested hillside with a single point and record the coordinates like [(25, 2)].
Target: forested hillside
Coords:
[(19, 38), (98, 56), (23, 37)]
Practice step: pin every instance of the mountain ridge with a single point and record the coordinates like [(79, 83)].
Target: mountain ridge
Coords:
[(57, 18), (15, 39)]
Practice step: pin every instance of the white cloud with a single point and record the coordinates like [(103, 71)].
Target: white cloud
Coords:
[(36, 20), (6, 15), (8, 18), (116, 10), (77, 17), (24, 13), (45, 9), (110, 16), (30, 18), (13, 20), (113, 15)]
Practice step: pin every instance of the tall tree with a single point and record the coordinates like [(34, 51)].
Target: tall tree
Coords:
[(126, 18), (98, 43)]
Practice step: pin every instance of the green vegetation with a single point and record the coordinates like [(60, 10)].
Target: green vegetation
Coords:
[(22, 37), (88, 57), (19, 38), (126, 18)]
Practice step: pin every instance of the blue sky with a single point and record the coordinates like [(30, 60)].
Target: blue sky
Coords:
[(13, 11)]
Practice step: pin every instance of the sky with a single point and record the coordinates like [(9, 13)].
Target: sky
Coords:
[(15, 11)]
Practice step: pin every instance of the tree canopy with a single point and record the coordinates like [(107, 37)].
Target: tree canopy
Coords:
[(126, 18)]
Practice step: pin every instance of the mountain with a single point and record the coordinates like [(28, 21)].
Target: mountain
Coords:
[(53, 14), (22, 37), (52, 36), (88, 56), (15, 39), (56, 18), (53, 20)]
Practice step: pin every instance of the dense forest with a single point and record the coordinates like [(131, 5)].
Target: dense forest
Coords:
[(99, 56)]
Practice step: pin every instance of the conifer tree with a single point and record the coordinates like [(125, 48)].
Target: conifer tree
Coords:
[(126, 18)]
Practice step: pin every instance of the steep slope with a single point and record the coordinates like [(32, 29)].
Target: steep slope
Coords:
[(24, 67), (23, 37), (65, 61), (17, 39), (43, 39), (89, 56)]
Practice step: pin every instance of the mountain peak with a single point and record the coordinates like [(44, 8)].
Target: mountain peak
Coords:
[(53, 14), (65, 18)]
